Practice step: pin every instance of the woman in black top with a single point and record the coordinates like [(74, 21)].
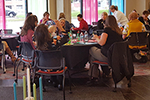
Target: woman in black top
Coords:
[(101, 22), (111, 34)]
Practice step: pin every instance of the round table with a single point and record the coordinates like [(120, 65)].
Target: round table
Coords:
[(11, 39), (77, 55)]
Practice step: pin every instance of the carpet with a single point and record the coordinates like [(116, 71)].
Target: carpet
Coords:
[(79, 93)]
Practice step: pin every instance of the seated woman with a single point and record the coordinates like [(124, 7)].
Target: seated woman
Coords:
[(7, 49), (101, 22), (28, 29), (67, 25), (44, 42), (111, 34), (134, 25), (58, 29), (46, 20)]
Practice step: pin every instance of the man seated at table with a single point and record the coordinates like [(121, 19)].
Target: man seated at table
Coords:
[(83, 23), (144, 19)]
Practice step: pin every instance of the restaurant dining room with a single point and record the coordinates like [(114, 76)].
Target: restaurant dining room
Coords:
[(74, 49)]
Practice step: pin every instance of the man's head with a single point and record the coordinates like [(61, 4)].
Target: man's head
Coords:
[(145, 14), (79, 17)]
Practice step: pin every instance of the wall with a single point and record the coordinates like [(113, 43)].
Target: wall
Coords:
[(130, 5), (148, 4), (139, 5)]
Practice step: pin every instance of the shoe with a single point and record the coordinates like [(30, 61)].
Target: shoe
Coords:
[(59, 87)]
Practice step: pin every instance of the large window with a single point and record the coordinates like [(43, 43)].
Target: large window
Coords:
[(75, 10), (15, 14), (89, 9), (37, 7), (103, 6)]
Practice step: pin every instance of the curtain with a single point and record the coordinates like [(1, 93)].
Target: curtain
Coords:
[(90, 10), (2, 15)]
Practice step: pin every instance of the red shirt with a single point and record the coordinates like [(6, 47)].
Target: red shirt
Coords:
[(83, 25)]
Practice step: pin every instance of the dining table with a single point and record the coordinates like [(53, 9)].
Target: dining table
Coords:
[(11, 39), (76, 54)]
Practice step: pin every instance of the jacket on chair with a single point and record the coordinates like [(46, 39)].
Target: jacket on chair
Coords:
[(120, 60)]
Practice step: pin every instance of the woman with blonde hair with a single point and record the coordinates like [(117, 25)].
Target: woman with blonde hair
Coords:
[(67, 25), (111, 34), (101, 22)]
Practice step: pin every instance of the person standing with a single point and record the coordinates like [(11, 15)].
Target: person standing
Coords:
[(120, 17)]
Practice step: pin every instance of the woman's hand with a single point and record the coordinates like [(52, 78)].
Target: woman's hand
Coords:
[(95, 36), (54, 41), (58, 37)]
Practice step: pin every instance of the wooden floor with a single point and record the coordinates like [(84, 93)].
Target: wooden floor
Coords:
[(139, 90)]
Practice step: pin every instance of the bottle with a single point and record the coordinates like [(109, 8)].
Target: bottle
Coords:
[(70, 34), (81, 36), (86, 36), (78, 38), (69, 42)]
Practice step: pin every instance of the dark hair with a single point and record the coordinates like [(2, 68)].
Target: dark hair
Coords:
[(46, 13), (114, 7), (112, 23), (28, 14), (79, 15), (42, 36), (62, 15), (29, 24), (145, 12)]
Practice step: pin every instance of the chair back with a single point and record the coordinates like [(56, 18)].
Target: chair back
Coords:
[(90, 29), (49, 59), (138, 38), (94, 23), (26, 50), (7, 31)]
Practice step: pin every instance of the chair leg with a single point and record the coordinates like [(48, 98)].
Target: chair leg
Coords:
[(69, 81), (23, 66), (16, 80), (129, 83), (43, 81), (114, 90), (64, 87), (15, 66)]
